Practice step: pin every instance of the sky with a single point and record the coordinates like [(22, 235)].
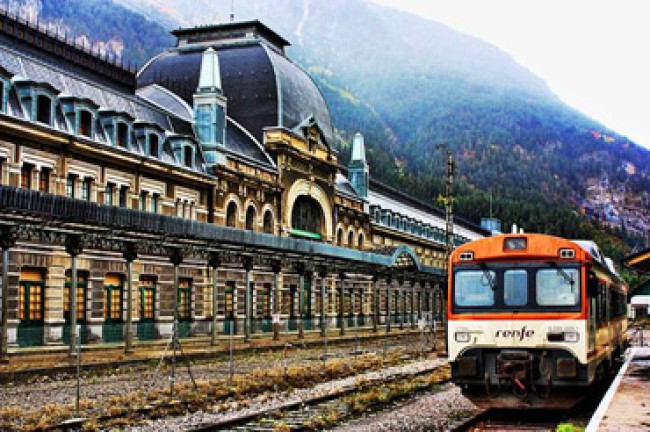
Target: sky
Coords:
[(592, 54)]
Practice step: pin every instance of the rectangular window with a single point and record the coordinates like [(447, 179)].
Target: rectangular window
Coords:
[(85, 189), (2, 171), (70, 185), (113, 288), (143, 201), (124, 192), (515, 287), (44, 180), (474, 288), (148, 298), (154, 203), (558, 287), (26, 176), (184, 299), (82, 284), (108, 194), (3, 102), (204, 127)]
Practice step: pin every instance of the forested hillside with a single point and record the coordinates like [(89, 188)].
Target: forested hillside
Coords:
[(409, 84)]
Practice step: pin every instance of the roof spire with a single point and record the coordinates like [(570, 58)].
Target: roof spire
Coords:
[(358, 149), (210, 78)]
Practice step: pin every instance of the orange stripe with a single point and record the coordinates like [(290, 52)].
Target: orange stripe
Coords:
[(518, 316)]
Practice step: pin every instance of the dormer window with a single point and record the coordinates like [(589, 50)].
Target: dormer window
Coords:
[(122, 135), (44, 109), (85, 127), (4, 90), (154, 145), (188, 154)]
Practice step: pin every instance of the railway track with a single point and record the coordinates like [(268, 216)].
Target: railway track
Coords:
[(331, 409)]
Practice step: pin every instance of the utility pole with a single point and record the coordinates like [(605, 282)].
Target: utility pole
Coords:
[(448, 201)]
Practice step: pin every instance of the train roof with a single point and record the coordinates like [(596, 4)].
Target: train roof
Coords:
[(540, 246)]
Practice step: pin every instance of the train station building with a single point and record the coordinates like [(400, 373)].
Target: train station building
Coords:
[(205, 187)]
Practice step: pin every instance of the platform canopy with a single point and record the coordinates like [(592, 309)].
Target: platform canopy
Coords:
[(639, 261)]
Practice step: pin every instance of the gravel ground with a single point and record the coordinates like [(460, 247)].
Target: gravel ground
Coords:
[(427, 412), (62, 390), (264, 403)]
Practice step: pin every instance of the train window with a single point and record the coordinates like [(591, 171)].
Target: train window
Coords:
[(473, 288), (555, 287), (515, 287)]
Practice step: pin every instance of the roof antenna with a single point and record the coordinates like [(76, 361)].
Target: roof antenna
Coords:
[(232, 11)]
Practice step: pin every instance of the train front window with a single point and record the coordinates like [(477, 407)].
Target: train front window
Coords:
[(557, 287), (515, 287), (474, 288)]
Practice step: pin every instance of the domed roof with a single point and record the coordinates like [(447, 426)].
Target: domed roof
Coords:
[(262, 86)]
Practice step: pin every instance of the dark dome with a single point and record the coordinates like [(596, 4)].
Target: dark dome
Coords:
[(263, 87)]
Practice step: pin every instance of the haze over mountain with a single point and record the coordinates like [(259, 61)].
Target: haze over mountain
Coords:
[(409, 84)]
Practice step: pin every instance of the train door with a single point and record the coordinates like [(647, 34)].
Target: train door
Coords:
[(592, 311)]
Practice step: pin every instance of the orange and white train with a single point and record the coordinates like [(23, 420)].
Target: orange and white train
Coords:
[(528, 313)]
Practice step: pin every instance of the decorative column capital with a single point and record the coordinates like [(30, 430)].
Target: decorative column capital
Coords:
[(322, 272), (8, 236), (176, 256), (215, 260), (276, 266), (130, 254), (247, 263), (74, 244)]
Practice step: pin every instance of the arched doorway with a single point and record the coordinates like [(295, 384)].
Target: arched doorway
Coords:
[(339, 237), (307, 219), (268, 222), (231, 214), (250, 218)]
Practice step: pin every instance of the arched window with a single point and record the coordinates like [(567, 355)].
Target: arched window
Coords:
[(85, 123), (122, 137), (360, 241), (43, 109), (153, 145), (351, 239), (268, 222), (307, 218), (339, 237), (187, 156), (231, 215), (250, 218)]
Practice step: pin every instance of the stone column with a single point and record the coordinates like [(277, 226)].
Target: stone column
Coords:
[(412, 313), (323, 294), (7, 241), (214, 262), (376, 304), (248, 300), (277, 268), (176, 258), (342, 304), (401, 303), (73, 246), (389, 312), (301, 299), (130, 254)]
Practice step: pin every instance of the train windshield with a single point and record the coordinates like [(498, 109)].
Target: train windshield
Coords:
[(474, 288), (521, 287), (557, 287)]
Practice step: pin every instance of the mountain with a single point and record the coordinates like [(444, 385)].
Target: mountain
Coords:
[(410, 84)]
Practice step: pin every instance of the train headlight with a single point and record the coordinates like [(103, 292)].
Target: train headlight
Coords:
[(571, 336), (461, 336), (567, 336)]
